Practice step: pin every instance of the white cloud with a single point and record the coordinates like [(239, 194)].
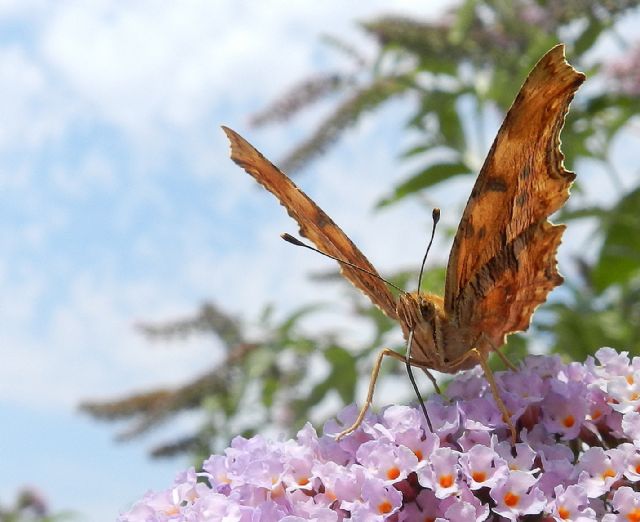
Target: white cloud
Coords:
[(148, 64), (29, 112)]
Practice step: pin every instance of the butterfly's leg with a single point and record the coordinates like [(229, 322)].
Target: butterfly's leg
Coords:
[(493, 385), (506, 361), (502, 356), (433, 380), (372, 384)]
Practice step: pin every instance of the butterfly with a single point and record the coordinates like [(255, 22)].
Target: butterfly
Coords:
[(502, 263)]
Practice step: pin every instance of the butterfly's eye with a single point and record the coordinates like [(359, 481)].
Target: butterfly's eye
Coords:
[(427, 310)]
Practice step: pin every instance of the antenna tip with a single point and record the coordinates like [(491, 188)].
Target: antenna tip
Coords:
[(290, 239), (435, 215)]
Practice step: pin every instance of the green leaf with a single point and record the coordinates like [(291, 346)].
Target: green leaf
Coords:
[(344, 374), (431, 175), (270, 387), (580, 213), (433, 280), (284, 329), (415, 151), (619, 259), (589, 36), (437, 64), (465, 16)]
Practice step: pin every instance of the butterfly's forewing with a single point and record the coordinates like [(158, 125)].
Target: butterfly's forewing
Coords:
[(503, 261), (314, 223)]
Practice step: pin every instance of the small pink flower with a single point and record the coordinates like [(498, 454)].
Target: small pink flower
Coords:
[(444, 417), (631, 461), (379, 500), (468, 385), (517, 496), (517, 458), (481, 414), (422, 447), (571, 505), (598, 469), (482, 467), (465, 507), (626, 502), (625, 71), (471, 438), (337, 482), (526, 384), (631, 426), (564, 412), (441, 473), (612, 363), (399, 423), (386, 460), (426, 507)]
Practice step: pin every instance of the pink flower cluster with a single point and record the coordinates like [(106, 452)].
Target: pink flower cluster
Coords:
[(626, 71), (577, 457)]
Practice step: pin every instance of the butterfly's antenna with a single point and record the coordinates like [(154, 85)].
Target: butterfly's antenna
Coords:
[(295, 241), (435, 215)]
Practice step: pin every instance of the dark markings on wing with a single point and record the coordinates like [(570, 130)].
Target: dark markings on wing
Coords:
[(521, 183)]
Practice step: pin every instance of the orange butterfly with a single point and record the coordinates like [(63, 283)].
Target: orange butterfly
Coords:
[(503, 261)]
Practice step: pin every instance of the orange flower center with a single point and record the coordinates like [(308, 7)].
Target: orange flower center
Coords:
[(638, 468), (303, 481), (596, 414), (634, 396), (479, 476), (418, 454), (608, 473), (511, 499), (446, 481), (384, 507), (564, 513), (393, 473), (630, 379), (634, 516), (568, 421)]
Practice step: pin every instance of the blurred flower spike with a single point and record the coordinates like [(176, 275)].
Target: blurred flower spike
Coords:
[(577, 457)]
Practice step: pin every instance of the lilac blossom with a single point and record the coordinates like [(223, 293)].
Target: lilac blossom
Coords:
[(577, 457), (626, 71)]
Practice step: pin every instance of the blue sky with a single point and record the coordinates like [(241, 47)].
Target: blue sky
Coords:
[(119, 204)]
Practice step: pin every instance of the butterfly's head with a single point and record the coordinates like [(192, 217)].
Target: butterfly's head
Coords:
[(417, 308), (422, 314)]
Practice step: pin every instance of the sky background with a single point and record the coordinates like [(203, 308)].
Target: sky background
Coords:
[(118, 203)]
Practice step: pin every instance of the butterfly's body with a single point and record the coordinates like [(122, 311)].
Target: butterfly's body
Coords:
[(503, 261), (437, 340)]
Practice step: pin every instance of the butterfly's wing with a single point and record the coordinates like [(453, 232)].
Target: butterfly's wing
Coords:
[(314, 223), (503, 261)]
